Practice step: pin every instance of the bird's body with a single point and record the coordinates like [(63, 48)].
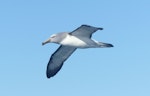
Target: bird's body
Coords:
[(79, 38), (73, 41)]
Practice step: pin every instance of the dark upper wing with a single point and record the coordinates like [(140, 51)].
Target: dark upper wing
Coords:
[(85, 31), (57, 59)]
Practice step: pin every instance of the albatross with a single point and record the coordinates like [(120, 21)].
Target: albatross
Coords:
[(69, 42)]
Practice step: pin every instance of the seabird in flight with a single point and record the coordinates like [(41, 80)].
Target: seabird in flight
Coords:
[(69, 42)]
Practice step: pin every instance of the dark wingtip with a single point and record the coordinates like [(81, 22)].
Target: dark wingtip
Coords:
[(85, 25), (48, 76), (51, 73), (100, 28), (110, 45)]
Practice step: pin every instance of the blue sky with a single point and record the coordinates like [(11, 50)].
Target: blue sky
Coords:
[(120, 71)]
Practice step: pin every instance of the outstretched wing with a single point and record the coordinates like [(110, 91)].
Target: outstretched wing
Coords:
[(57, 59), (85, 31)]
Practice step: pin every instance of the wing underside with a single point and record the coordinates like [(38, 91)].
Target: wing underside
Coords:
[(57, 59)]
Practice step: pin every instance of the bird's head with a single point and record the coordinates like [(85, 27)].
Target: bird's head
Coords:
[(55, 38)]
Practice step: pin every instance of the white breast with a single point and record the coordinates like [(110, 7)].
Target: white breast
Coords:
[(73, 41)]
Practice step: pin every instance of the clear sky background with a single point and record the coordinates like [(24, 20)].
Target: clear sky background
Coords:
[(120, 71)]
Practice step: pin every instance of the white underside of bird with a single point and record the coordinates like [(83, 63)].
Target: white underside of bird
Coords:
[(76, 42)]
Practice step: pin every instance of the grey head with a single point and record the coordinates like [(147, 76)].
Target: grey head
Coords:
[(56, 38)]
